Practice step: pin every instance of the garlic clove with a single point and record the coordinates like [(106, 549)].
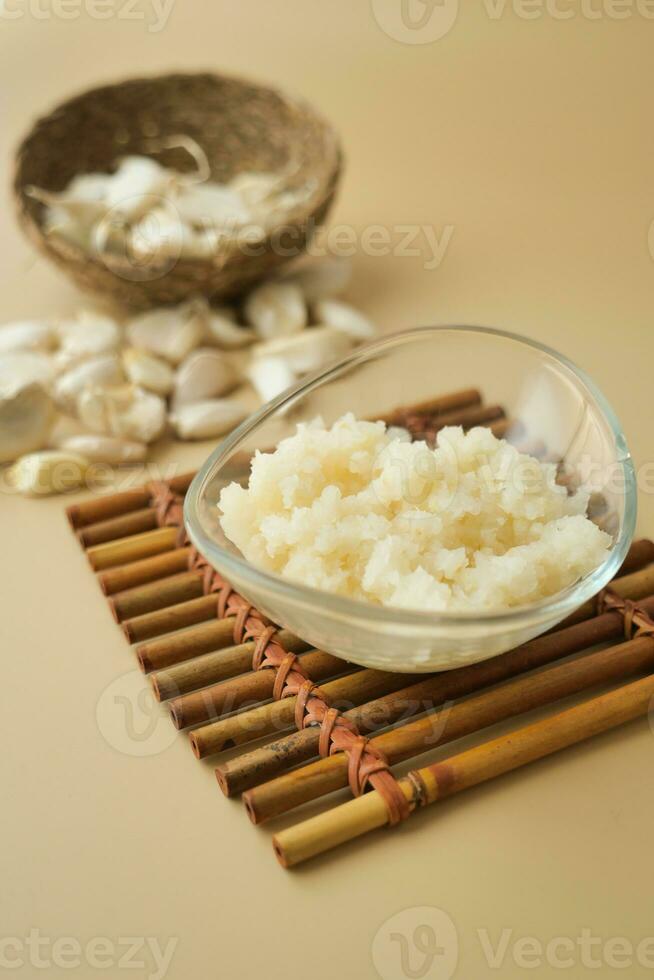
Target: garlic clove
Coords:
[(204, 374), (21, 368), (148, 371), (169, 332), (103, 370), (88, 335), (84, 208), (323, 279), (104, 449), (137, 185), (344, 317), (307, 351), (47, 472), (270, 376), (158, 236), (276, 309), (255, 187), (223, 331), (207, 419), (26, 335), (26, 418), (212, 205), (125, 411)]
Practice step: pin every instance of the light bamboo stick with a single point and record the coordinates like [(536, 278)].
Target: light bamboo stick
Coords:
[(137, 546), (159, 607), (146, 570), (270, 760), (113, 505), (467, 769), (436, 728), (156, 654)]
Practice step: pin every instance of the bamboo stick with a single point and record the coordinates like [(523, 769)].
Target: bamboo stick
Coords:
[(149, 610), (467, 769), (640, 554), (155, 654), (444, 403), (257, 685), (635, 586), (357, 688), (112, 505), (136, 522), (146, 570), (514, 698), (156, 622), (124, 550), (213, 667), (270, 760)]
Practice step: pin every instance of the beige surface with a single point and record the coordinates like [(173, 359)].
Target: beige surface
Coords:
[(533, 139)]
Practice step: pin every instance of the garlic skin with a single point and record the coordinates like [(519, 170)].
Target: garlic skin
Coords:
[(207, 419), (323, 279), (21, 368), (204, 374), (103, 370), (171, 333), (47, 472), (34, 335), (342, 316), (104, 449), (125, 411), (270, 376), (148, 371), (307, 351), (276, 309), (26, 419)]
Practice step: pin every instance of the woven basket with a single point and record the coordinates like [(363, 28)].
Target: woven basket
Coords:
[(239, 125)]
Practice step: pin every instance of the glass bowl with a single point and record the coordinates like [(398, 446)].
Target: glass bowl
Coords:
[(553, 408)]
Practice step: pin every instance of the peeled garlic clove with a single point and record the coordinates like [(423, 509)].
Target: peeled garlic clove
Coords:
[(159, 235), (255, 188), (105, 449), (74, 201), (21, 368), (270, 376), (308, 350), (26, 335), (211, 204), (207, 419), (204, 374), (148, 371), (171, 333), (26, 418), (223, 331), (88, 335), (322, 279), (125, 411), (57, 221), (276, 309), (103, 370), (137, 185), (47, 472), (343, 317)]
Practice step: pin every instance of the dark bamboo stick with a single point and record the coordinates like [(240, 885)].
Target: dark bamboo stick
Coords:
[(136, 522), (459, 772), (255, 767), (251, 688), (169, 650), (213, 667), (146, 570), (433, 406), (149, 610), (113, 505), (312, 781)]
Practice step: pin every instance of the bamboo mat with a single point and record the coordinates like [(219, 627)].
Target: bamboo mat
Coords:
[(329, 724)]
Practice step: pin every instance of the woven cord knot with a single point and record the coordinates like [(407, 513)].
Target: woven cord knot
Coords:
[(636, 621)]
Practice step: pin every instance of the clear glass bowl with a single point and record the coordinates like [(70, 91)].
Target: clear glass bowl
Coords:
[(553, 404)]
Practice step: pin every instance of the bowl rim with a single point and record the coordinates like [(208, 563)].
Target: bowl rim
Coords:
[(557, 605)]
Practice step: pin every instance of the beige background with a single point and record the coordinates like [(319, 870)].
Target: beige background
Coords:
[(533, 139)]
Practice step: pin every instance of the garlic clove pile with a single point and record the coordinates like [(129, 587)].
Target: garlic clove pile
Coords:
[(50, 471), (26, 335), (125, 411), (342, 316), (148, 371), (105, 369), (276, 309), (104, 449), (171, 333), (207, 419), (27, 415), (204, 374)]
